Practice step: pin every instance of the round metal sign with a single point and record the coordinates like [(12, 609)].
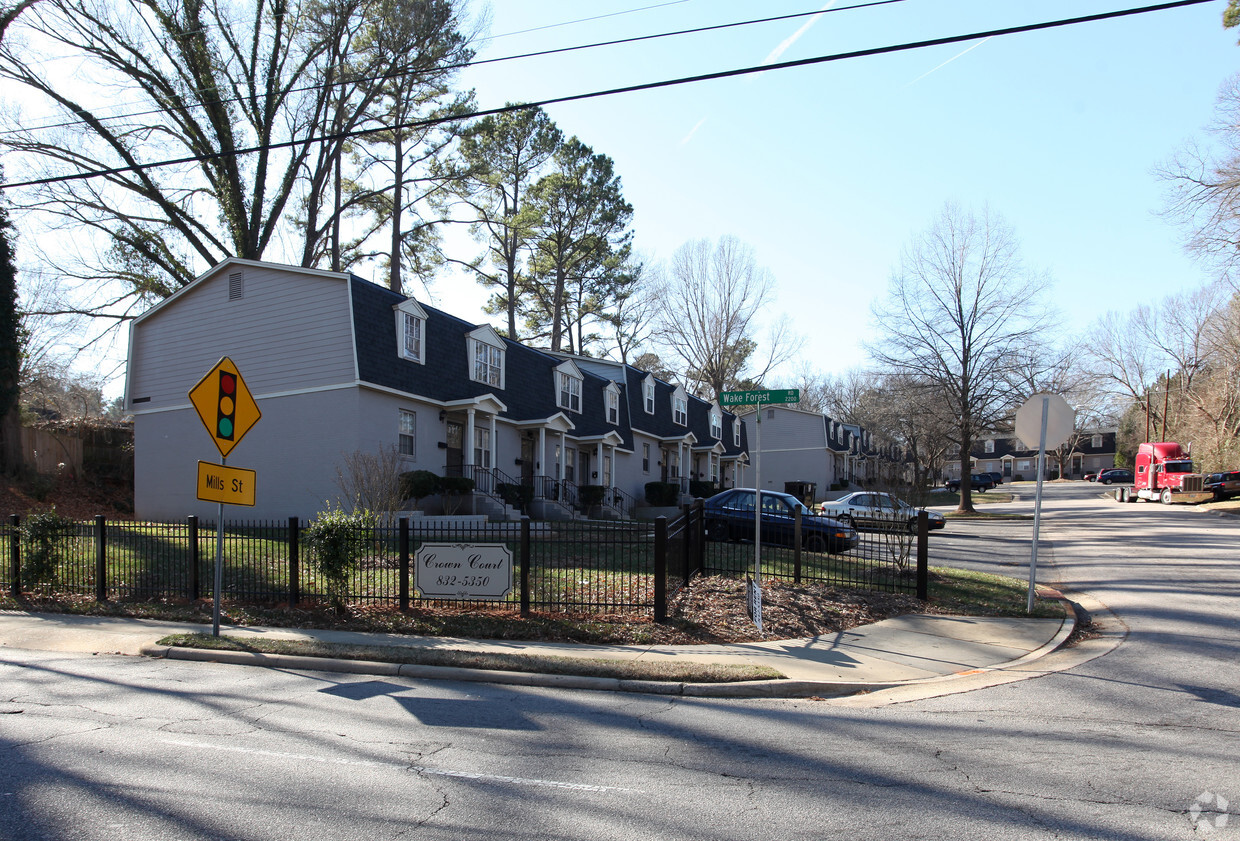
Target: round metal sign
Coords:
[(1060, 420)]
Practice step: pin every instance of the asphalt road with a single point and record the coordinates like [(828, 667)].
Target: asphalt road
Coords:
[(1119, 739)]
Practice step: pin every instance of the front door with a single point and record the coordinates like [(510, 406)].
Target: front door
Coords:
[(527, 461), (456, 449), (583, 472)]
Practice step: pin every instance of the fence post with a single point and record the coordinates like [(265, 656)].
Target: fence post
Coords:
[(923, 556), (15, 556), (195, 561), (294, 561), (796, 543), (697, 523), (660, 569), (404, 562), (101, 559), (525, 566)]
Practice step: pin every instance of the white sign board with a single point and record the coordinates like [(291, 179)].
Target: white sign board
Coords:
[(463, 570), (1060, 420)]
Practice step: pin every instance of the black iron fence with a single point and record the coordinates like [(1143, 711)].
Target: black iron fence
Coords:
[(576, 566)]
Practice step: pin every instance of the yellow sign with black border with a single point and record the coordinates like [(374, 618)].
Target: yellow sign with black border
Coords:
[(229, 485)]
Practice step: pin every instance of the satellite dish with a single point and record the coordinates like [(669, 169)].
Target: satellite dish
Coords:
[(1060, 420)]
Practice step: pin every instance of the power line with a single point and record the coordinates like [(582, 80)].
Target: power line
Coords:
[(684, 80), (447, 68)]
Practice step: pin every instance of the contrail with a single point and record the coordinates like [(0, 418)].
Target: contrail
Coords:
[(794, 37), (949, 61)]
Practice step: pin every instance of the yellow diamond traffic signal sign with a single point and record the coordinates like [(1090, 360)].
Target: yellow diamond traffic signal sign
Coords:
[(225, 405)]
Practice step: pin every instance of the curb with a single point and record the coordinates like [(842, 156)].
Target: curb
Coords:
[(740, 689)]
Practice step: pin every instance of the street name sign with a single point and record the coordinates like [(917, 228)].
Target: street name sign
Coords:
[(225, 405), (229, 485), (754, 398), (463, 570)]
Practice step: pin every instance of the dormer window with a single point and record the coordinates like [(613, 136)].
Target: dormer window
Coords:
[(990, 445), (612, 396), (486, 351), (648, 395), (716, 424), (1096, 442), (411, 331), (570, 392), (680, 408), (736, 432)]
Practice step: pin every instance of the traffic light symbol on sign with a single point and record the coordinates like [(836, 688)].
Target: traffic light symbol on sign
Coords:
[(226, 415), (225, 405)]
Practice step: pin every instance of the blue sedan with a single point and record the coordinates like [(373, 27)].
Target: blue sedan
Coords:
[(730, 516)]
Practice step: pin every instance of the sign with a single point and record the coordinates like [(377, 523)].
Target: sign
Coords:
[(753, 601), (463, 570), (225, 405), (753, 398), (230, 485), (1060, 420)]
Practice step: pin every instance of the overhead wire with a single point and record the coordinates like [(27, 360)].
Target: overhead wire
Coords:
[(645, 86), (447, 68)]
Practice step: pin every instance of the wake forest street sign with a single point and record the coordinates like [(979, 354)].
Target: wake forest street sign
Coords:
[(754, 398)]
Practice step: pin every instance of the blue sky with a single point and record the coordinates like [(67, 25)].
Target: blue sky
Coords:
[(828, 171)]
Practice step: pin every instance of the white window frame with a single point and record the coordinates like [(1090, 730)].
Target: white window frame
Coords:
[(1096, 441), (487, 364), (716, 425), (411, 317), (645, 457), (568, 393), (680, 407), (613, 405), (989, 446), (482, 447), (407, 431), (648, 395), (736, 432)]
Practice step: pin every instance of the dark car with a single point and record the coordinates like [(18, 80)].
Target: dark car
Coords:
[(1224, 484), (1115, 476), (997, 476), (978, 481), (871, 510), (730, 516)]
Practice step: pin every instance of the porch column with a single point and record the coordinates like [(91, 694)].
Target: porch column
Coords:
[(598, 461), (559, 468), (541, 455), (494, 442), (469, 437)]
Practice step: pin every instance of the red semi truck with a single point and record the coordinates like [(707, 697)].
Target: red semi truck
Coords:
[(1164, 473)]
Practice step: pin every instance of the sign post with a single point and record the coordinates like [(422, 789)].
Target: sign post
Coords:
[(228, 411), (1050, 419), (758, 398)]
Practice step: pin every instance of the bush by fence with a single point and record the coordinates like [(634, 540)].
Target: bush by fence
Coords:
[(584, 566)]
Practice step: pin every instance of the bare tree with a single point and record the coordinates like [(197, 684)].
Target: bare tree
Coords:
[(252, 100), (960, 315), (710, 316)]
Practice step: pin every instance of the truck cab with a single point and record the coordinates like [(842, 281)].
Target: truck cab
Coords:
[(1164, 473)]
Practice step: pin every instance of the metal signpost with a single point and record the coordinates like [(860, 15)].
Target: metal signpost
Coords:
[(758, 399), (228, 411), (1049, 419)]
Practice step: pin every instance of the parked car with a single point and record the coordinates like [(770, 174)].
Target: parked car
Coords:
[(730, 516), (872, 511), (1116, 476), (1090, 477), (1224, 484), (978, 481), (997, 476)]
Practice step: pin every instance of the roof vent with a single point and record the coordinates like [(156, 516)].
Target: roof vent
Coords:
[(236, 286)]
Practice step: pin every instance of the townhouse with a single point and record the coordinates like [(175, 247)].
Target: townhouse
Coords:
[(338, 365)]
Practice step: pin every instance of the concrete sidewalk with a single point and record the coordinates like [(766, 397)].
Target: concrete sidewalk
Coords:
[(905, 650)]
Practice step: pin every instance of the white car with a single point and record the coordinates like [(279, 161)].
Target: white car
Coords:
[(873, 510)]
